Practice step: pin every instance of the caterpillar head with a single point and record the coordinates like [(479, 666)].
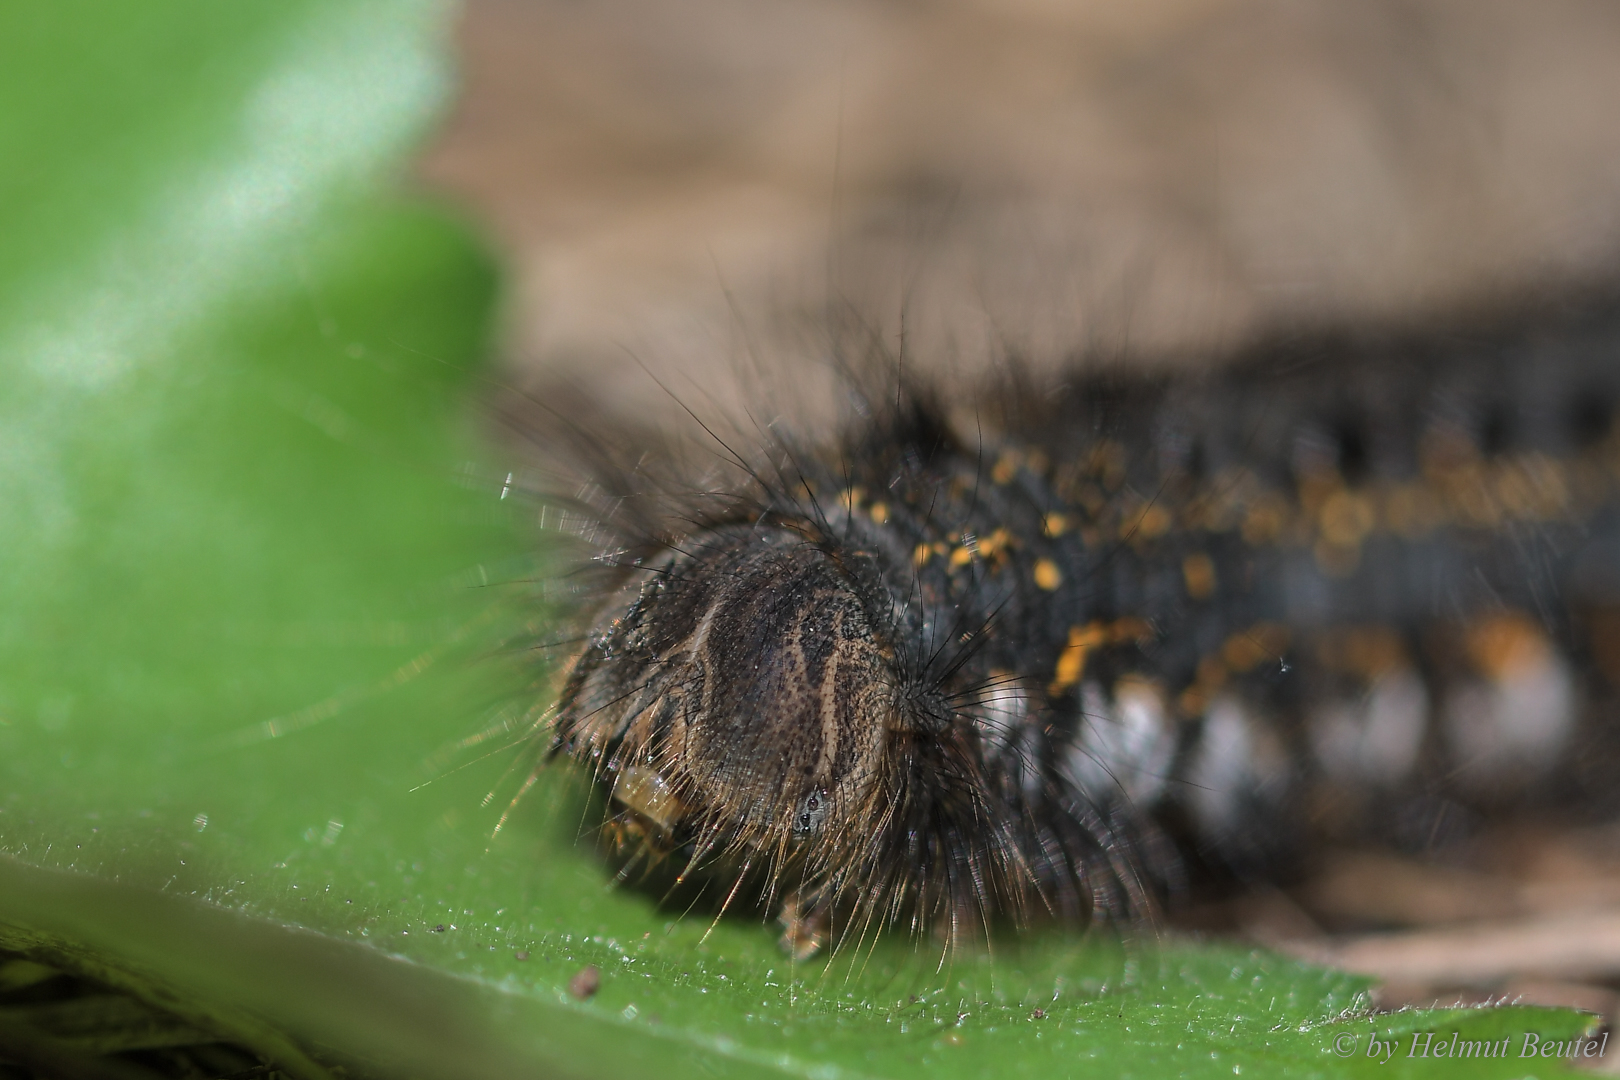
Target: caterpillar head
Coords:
[(740, 694)]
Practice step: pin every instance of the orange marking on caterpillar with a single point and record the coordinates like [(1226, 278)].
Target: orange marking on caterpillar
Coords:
[(1151, 524), (1198, 574), (1047, 574), (1072, 661), (1505, 644)]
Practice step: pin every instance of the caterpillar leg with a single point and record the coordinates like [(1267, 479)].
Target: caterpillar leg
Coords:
[(804, 926)]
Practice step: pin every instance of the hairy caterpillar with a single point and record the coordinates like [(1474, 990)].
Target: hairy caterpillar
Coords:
[(1038, 656), (1212, 617)]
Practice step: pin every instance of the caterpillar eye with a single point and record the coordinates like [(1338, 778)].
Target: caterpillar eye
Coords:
[(812, 814)]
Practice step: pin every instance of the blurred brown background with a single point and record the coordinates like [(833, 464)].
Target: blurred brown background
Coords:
[(1163, 177)]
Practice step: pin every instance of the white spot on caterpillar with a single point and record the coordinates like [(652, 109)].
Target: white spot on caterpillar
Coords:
[(1125, 744), (1377, 738), (1238, 761), (1516, 720), (1003, 708)]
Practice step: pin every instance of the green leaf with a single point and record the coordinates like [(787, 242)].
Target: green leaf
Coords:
[(261, 582)]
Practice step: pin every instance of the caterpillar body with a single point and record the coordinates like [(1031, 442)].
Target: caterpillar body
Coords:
[(1046, 654)]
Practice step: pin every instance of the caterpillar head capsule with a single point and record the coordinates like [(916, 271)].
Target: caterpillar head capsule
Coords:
[(741, 698)]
